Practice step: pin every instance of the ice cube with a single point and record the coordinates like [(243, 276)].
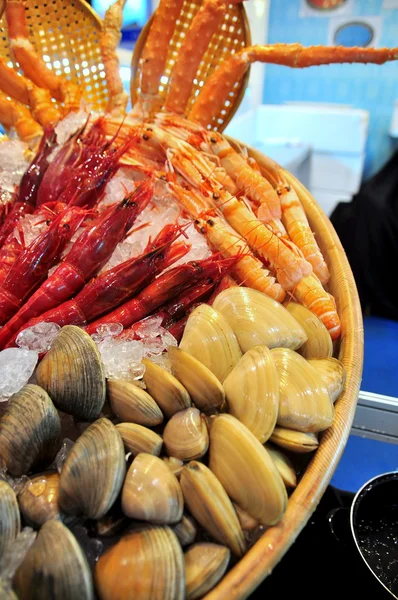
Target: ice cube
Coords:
[(16, 553), (39, 337), (153, 346), (69, 125), (168, 339), (121, 357), (16, 368), (163, 361), (107, 330), (149, 327), (13, 163), (117, 188)]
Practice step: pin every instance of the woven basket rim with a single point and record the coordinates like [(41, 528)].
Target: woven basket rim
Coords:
[(254, 567)]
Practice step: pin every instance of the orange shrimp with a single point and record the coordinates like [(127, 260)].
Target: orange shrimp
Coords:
[(248, 270), (310, 293)]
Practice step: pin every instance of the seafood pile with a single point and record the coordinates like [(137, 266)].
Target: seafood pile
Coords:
[(168, 339)]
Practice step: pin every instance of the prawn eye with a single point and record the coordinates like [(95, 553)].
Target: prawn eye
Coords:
[(213, 140), (210, 222), (48, 222), (145, 137), (216, 195), (66, 226)]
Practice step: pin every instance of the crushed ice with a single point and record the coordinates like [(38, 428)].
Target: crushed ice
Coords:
[(39, 337), (63, 453), (16, 368), (13, 163), (122, 356)]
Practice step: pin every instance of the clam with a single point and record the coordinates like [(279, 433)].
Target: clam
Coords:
[(257, 320), (185, 435), (246, 470), (38, 500), (151, 492), (304, 403), (209, 338), (10, 521), (93, 472), (252, 392), (174, 464), (295, 441), (209, 504), (169, 393), (29, 430), (319, 343), (137, 438), (333, 375), (205, 564), (284, 466), (54, 567), (205, 389), (148, 563), (132, 404), (246, 521), (186, 530), (73, 375)]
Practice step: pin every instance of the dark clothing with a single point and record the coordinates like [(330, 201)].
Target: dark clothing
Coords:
[(368, 230)]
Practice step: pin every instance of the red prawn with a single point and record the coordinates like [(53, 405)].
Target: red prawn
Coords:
[(113, 287), (165, 287), (87, 256), (32, 265)]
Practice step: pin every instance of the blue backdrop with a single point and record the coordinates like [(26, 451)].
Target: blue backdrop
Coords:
[(371, 87)]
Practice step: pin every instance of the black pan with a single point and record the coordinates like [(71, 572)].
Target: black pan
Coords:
[(371, 523)]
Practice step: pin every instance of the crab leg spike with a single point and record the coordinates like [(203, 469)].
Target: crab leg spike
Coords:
[(16, 116), (31, 63), (155, 52), (205, 23), (109, 42), (215, 91)]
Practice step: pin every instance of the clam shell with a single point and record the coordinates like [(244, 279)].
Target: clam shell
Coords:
[(333, 375), (284, 466), (6, 592), (209, 504), (144, 564), (137, 438), (205, 565), (252, 392), (151, 492), (304, 403), (10, 521), (257, 320), (38, 500), (73, 375), (205, 389), (319, 343), (169, 393), (185, 435), (174, 464), (93, 472), (186, 530), (29, 430), (132, 404), (295, 441), (209, 338), (54, 567), (246, 521), (246, 470)]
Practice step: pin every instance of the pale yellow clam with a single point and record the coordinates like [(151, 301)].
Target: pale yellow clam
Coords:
[(132, 404), (209, 338), (284, 466), (186, 530), (252, 392), (295, 441), (208, 502), (185, 435), (257, 320), (333, 375), (304, 403), (137, 438), (319, 343), (39, 499), (205, 565), (167, 391), (246, 470), (151, 492), (205, 389)]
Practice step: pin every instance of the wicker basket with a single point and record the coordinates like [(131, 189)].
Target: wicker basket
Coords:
[(253, 568), (233, 35)]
